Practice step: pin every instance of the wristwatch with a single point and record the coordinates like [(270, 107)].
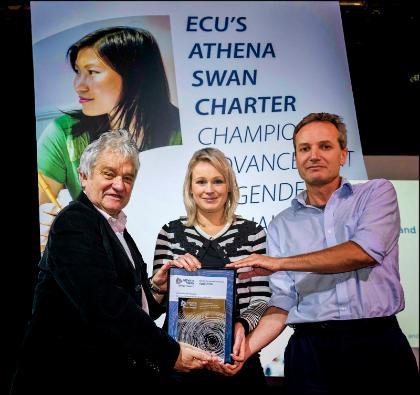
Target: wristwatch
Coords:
[(155, 288)]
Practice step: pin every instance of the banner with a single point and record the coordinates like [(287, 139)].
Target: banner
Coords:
[(240, 77)]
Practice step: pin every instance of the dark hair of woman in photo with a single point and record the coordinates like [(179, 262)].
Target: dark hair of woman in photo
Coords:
[(121, 83), (144, 107)]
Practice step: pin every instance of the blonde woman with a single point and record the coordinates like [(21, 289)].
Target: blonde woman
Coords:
[(210, 236)]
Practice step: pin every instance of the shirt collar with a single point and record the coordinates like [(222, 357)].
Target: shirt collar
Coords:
[(345, 189), (117, 224)]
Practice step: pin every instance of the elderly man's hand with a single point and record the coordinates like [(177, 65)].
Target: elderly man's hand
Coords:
[(191, 357)]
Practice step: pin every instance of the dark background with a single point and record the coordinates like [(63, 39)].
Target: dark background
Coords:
[(381, 45)]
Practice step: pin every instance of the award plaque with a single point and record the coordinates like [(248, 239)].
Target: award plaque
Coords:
[(201, 307)]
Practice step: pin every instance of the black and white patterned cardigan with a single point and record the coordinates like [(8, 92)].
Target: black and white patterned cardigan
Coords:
[(240, 239)]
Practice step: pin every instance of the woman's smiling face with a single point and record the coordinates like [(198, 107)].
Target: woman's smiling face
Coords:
[(209, 189)]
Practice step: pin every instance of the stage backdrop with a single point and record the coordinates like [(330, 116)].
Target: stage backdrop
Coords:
[(242, 75)]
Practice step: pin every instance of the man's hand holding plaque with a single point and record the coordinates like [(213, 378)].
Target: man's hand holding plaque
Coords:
[(191, 357)]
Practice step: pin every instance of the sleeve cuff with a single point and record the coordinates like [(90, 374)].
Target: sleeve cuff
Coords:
[(244, 323), (282, 302), (375, 249)]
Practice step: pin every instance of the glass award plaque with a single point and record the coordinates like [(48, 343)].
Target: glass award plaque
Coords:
[(201, 309)]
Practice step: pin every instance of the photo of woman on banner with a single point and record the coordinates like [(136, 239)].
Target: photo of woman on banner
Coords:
[(211, 236), (121, 83)]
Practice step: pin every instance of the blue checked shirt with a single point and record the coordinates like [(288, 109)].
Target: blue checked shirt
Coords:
[(366, 214)]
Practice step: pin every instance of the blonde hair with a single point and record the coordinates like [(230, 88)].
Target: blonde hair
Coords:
[(218, 160)]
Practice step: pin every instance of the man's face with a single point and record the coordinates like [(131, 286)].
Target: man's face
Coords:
[(111, 182), (318, 153)]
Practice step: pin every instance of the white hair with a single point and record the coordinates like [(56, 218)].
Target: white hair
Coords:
[(118, 140)]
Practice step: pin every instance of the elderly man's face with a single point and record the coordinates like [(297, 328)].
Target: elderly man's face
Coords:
[(111, 182)]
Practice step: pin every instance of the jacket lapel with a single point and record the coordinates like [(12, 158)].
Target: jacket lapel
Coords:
[(106, 227), (135, 253)]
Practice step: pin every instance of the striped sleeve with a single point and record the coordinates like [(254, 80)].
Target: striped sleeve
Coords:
[(254, 293), (163, 249)]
